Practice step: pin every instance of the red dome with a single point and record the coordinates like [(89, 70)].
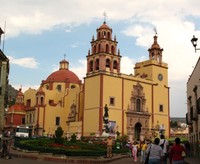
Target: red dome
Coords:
[(63, 75)]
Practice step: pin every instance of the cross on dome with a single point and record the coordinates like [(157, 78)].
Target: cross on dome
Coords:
[(105, 15)]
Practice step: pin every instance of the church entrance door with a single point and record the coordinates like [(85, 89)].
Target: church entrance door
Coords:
[(137, 131)]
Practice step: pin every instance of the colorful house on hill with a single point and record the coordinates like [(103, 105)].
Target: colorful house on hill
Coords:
[(15, 116), (137, 105)]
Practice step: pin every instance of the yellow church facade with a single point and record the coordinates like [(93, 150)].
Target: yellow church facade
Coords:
[(137, 104)]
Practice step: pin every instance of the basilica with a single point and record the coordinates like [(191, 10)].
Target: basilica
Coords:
[(136, 105)]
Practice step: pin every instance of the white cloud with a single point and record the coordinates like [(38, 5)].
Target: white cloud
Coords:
[(81, 69), (174, 22), (74, 45), (24, 62)]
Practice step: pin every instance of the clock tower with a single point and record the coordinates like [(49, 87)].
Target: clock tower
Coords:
[(153, 69), (156, 71)]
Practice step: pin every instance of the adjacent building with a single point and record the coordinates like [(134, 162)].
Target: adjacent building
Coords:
[(4, 72), (137, 105), (193, 107)]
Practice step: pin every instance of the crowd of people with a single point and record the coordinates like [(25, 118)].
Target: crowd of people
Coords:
[(159, 151)]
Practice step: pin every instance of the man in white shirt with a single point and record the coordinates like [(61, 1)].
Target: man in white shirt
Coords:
[(165, 147)]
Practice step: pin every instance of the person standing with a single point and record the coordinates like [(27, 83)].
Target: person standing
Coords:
[(109, 147), (134, 150), (129, 145), (165, 147), (156, 152), (176, 151), (4, 148)]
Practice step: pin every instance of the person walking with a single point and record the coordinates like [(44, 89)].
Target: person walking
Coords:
[(143, 151), (156, 152), (109, 147), (165, 147), (187, 148), (176, 151)]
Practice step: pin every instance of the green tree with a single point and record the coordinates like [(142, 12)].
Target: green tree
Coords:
[(173, 124), (59, 134)]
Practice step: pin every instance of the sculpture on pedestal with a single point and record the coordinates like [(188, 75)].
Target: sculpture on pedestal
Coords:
[(106, 120)]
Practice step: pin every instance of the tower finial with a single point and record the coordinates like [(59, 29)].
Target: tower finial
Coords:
[(64, 56), (105, 15), (155, 30)]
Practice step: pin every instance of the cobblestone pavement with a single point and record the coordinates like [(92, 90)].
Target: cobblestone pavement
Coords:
[(22, 157)]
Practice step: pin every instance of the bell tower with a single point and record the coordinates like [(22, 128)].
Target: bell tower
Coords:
[(155, 52), (103, 56)]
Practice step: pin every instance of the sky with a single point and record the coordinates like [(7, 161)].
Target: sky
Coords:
[(41, 33)]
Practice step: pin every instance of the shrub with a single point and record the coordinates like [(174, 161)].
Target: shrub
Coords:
[(58, 134), (73, 138)]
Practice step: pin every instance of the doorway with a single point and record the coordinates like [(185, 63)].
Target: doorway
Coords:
[(137, 131)]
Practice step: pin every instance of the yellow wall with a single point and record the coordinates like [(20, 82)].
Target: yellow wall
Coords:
[(120, 87)]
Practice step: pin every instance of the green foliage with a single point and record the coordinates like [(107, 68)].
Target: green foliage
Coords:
[(123, 139), (59, 140), (59, 132), (173, 124), (73, 138), (47, 145)]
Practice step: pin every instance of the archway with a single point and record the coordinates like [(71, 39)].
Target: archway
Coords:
[(137, 131)]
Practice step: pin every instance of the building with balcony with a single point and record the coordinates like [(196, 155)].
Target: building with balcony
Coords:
[(193, 107)]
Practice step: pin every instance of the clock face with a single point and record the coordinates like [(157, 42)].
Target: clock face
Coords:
[(160, 76)]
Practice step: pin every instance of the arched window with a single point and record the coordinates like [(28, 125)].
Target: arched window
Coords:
[(73, 86), (104, 34), (98, 35), (115, 64), (91, 65), (99, 48), (97, 64), (94, 50), (42, 100), (59, 88), (138, 105), (107, 48), (108, 34), (152, 55), (113, 50), (108, 63)]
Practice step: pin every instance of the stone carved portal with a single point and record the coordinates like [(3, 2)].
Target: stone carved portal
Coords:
[(137, 116)]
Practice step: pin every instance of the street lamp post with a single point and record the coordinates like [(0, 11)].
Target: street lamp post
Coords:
[(194, 43)]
